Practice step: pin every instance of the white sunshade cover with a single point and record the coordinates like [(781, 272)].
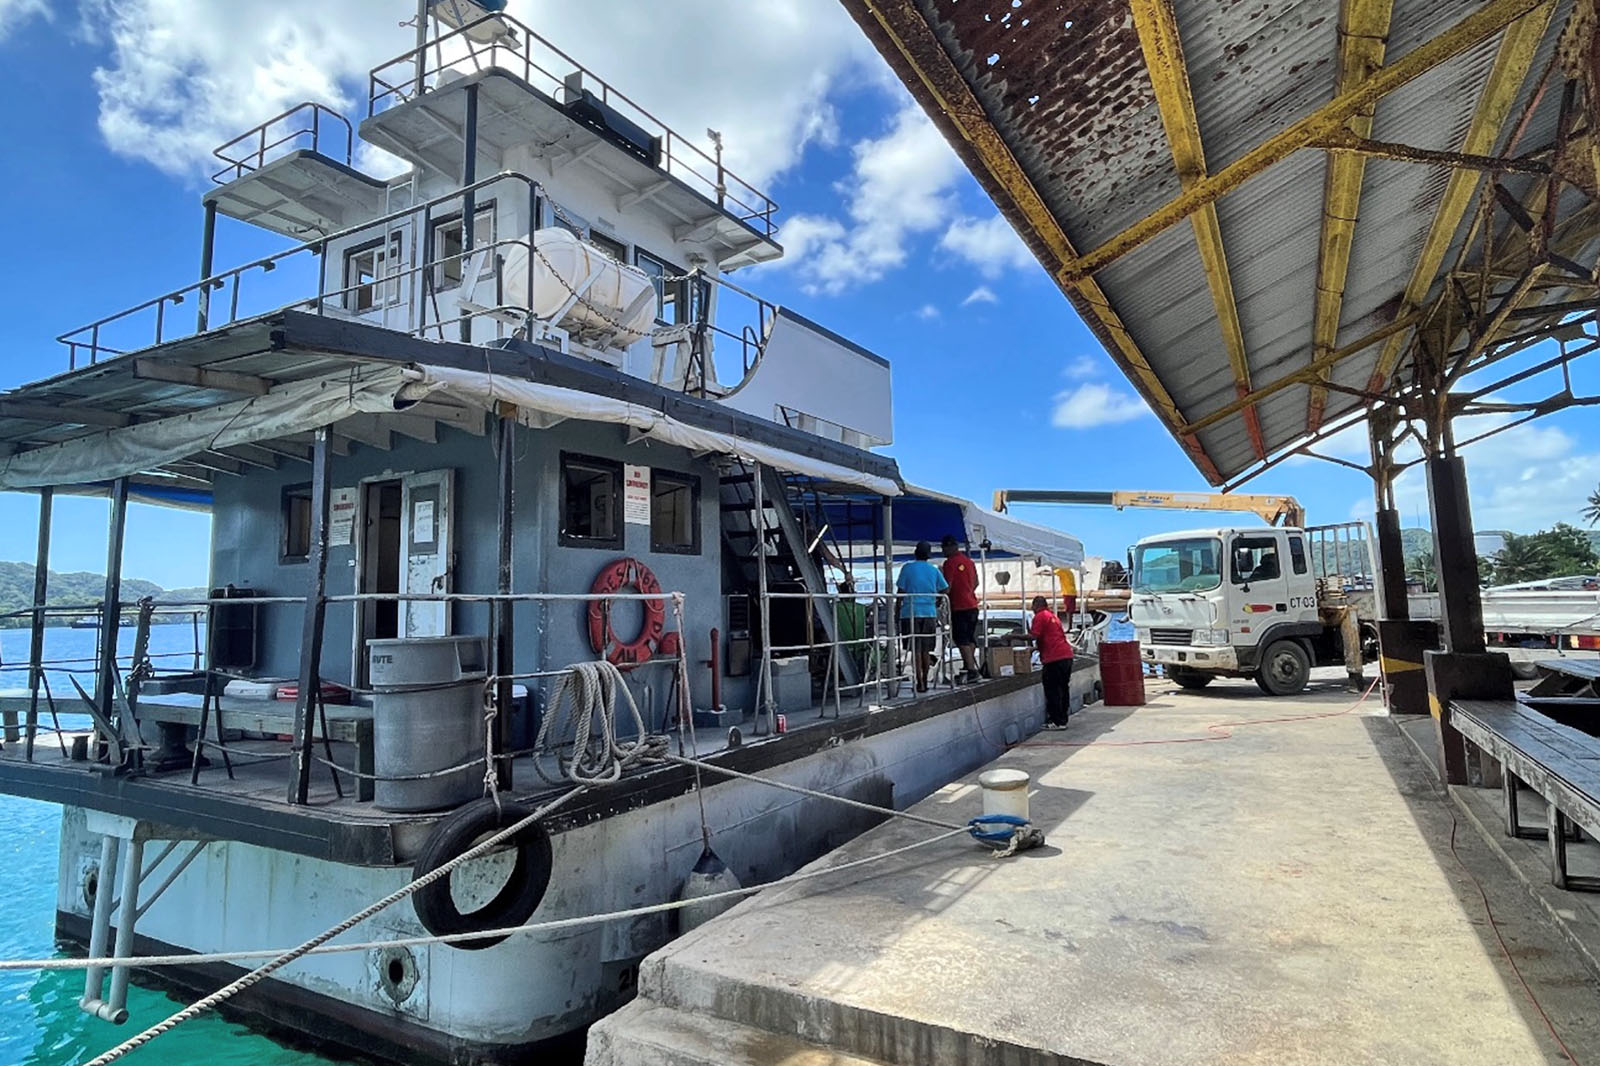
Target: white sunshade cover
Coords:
[(308, 405)]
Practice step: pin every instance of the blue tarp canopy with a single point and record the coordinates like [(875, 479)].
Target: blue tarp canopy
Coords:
[(922, 514)]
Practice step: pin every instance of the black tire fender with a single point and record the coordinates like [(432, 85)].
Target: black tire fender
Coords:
[(517, 899)]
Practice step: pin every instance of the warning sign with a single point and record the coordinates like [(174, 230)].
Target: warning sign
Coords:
[(636, 494), (341, 517)]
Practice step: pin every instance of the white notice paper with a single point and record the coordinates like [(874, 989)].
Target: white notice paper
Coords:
[(422, 522), (341, 517), (636, 494)]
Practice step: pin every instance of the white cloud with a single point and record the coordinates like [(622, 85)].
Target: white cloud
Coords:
[(14, 13), (1523, 479), (1095, 404), (1084, 366), (989, 244), (981, 295), (927, 312), (899, 186), (177, 82)]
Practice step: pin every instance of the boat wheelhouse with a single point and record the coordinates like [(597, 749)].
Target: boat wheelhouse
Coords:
[(502, 414)]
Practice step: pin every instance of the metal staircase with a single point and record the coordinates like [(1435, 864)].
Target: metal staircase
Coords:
[(790, 560)]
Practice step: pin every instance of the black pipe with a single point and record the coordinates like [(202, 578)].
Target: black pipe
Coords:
[(111, 612), (505, 440), (208, 243), (469, 200), (316, 613)]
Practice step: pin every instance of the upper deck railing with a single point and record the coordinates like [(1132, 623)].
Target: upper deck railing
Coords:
[(536, 60), (301, 126)]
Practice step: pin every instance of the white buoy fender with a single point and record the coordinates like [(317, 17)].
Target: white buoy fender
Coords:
[(709, 876)]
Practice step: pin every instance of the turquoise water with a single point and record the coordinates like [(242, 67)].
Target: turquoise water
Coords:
[(40, 1024)]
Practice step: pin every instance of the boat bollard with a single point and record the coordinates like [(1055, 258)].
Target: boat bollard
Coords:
[(1005, 792)]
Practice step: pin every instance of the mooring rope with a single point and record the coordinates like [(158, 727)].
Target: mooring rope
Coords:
[(161, 961)]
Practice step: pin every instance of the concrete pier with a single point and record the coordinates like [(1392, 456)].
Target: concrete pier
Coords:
[(1227, 880)]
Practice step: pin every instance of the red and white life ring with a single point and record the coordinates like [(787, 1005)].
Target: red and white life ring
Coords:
[(627, 574)]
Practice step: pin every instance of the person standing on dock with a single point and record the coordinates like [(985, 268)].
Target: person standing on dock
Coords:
[(919, 585), (963, 579), (1055, 654)]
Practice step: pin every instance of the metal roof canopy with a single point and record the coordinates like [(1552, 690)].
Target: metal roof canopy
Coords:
[(1276, 215)]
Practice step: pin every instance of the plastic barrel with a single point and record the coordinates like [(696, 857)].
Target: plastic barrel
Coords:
[(1121, 673)]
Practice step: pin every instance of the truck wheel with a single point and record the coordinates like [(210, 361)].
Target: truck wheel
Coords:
[(1190, 679), (1285, 669)]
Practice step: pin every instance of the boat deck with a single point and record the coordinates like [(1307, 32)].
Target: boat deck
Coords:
[(252, 806), (1228, 878)]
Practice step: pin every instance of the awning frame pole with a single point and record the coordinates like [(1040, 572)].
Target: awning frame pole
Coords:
[(315, 615)]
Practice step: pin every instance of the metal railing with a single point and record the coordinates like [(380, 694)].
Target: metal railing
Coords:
[(88, 343), (525, 52), (300, 126)]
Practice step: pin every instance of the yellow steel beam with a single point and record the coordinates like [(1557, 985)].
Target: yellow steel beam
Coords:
[(1488, 20), (928, 71), (1363, 35), (1157, 25), (1500, 91)]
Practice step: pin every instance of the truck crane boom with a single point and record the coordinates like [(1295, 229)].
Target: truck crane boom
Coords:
[(1275, 510)]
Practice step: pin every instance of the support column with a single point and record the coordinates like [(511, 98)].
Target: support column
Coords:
[(208, 244), (1401, 642), (469, 200), (889, 590), (1464, 670), (316, 608), (505, 443), (105, 696), (758, 523), (41, 590)]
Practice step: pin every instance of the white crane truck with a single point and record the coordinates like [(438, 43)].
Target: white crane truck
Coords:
[(1265, 603)]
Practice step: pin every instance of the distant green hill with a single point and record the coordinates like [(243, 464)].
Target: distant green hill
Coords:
[(74, 589), (1416, 539)]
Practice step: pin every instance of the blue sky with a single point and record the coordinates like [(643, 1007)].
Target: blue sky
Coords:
[(997, 383)]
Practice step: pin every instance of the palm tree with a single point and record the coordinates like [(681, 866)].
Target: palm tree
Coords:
[(1591, 513), (1523, 558), (1420, 567)]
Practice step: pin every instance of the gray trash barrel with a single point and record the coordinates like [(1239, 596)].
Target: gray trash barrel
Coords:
[(427, 715)]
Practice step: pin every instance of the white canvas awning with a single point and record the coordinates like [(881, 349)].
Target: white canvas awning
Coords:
[(1007, 534), (366, 390)]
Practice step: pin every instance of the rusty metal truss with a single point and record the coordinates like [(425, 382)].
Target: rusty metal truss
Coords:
[(1383, 197)]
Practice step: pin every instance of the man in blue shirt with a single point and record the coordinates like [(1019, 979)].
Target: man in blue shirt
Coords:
[(919, 585)]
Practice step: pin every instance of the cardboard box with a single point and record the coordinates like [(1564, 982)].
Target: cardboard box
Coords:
[(1005, 661), (1023, 660)]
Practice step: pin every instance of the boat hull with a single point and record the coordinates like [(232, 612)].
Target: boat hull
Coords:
[(441, 1004)]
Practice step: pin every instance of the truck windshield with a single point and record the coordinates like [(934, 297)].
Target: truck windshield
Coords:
[(1189, 565)]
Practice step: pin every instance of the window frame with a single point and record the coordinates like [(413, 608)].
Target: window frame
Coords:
[(609, 466), (678, 289), (1248, 543), (1297, 555), (300, 491), (387, 251), (615, 247), (692, 483), (436, 259)]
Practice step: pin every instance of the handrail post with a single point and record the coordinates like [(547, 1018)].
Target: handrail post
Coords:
[(111, 608), (759, 524), (504, 645), (889, 588)]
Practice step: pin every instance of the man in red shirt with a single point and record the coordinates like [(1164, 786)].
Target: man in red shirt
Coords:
[(1055, 653), (963, 579)]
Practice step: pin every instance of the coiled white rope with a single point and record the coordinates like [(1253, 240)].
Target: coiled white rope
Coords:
[(599, 755)]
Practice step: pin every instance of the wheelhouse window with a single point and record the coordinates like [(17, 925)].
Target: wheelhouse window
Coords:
[(295, 540), (370, 274), (590, 502), (671, 296), (674, 513), (1192, 564), (609, 245), (447, 250), (1255, 559)]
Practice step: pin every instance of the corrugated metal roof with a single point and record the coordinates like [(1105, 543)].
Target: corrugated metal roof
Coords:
[(1066, 88)]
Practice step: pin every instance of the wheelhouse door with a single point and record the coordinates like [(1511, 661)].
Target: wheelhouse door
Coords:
[(428, 540)]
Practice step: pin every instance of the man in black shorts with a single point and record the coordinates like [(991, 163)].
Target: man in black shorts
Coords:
[(963, 579)]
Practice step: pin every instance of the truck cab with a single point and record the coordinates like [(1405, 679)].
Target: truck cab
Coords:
[(1235, 603)]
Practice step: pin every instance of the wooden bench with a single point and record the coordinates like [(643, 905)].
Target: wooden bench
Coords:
[(1556, 761)]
